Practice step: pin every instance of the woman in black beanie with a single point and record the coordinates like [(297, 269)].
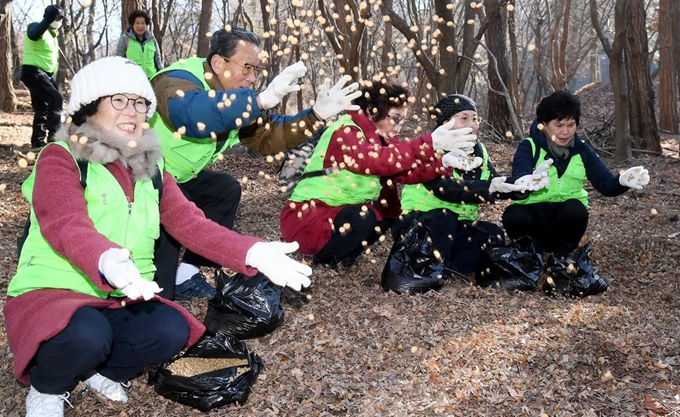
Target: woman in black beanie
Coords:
[(449, 204)]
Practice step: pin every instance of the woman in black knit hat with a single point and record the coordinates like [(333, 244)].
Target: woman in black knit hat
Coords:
[(449, 204)]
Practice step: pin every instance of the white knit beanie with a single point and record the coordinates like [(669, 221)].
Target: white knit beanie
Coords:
[(106, 77)]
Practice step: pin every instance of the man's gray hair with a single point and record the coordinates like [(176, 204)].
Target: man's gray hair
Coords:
[(225, 42)]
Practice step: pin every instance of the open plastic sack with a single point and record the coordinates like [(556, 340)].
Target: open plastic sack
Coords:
[(516, 266), (573, 274), (216, 371), (413, 266), (244, 307)]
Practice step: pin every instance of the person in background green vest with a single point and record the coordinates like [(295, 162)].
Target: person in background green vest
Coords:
[(138, 44), (39, 65), (83, 304), (556, 217), (205, 106), (448, 205)]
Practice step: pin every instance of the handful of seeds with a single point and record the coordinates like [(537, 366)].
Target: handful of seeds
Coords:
[(192, 366)]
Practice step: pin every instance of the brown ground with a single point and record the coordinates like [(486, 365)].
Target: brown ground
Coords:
[(354, 350)]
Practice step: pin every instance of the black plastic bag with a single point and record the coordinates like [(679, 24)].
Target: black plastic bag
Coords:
[(412, 265), (213, 389), (244, 307), (573, 274), (513, 267)]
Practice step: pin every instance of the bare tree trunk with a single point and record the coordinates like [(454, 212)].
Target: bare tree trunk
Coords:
[(641, 109), (204, 27), (8, 100), (668, 81), (387, 43), (160, 16), (496, 40), (513, 79), (617, 74)]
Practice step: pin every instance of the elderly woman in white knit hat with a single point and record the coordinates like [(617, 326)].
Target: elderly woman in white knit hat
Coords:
[(449, 204), (83, 305)]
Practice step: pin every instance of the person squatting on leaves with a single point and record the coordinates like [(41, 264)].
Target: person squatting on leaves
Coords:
[(336, 216), (556, 217), (83, 304), (39, 65), (211, 104), (449, 204), (138, 44)]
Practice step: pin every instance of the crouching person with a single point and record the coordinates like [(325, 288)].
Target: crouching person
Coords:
[(83, 305)]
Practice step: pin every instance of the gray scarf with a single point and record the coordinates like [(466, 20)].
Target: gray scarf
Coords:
[(560, 152)]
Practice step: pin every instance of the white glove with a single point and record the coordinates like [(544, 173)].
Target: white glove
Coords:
[(532, 182), (331, 101), (283, 84), (115, 265), (446, 138), (459, 160), (636, 177), (271, 258), (498, 185), (538, 179)]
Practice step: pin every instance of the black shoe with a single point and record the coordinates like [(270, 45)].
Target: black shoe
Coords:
[(196, 287), (37, 143)]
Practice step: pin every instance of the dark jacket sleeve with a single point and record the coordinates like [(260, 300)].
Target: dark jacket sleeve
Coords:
[(35, 30), (599, 175)]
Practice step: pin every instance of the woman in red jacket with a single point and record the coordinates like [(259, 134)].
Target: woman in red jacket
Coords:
[(83, 305), (336, 215)]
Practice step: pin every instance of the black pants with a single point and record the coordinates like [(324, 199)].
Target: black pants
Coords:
[(117, 343), (346, 246), (47, 103), (217, 195), (553, 227), (460, 242)]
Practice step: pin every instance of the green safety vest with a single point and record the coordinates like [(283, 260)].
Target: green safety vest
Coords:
[(567, 187), (185, 157), (134, 226), (341, 187), (144, 57), (416, 197), (43, 53)]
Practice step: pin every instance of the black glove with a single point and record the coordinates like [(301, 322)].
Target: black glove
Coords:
[(51, 13)]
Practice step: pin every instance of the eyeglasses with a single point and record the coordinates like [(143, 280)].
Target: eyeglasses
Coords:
[(397, 120), (466, 120), (121, 101), (247, 68)]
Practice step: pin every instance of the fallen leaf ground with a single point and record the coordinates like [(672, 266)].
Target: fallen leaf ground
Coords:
[(354, 350)]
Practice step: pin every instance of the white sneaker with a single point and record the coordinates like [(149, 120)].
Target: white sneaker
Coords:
[(110, 389), (45, 405)]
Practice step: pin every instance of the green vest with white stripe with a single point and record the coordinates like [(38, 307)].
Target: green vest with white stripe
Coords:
[(339, 188), (134, 226), (416, 197), (186, 156), (561, 189)]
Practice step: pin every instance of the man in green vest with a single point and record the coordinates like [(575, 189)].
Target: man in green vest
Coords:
[(40, 63), (205, 106)]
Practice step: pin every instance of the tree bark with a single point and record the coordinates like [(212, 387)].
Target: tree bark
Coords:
[(8, 100), (668, 73), (496, 40), (204, 28), (641, 108)]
